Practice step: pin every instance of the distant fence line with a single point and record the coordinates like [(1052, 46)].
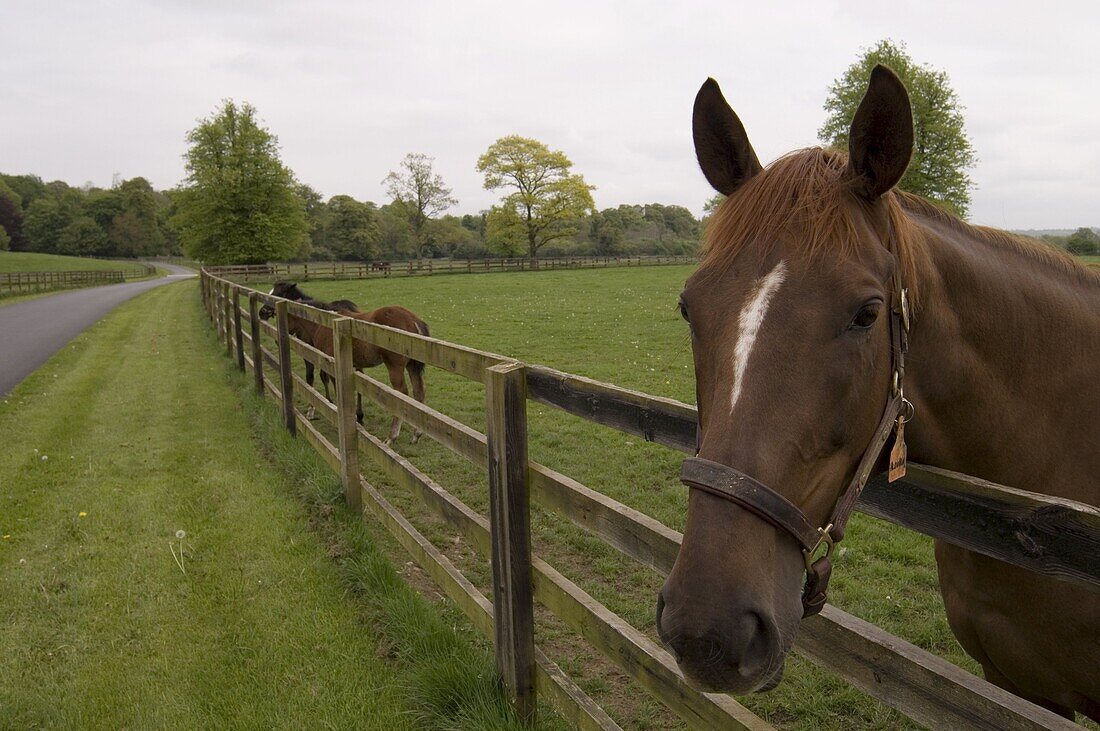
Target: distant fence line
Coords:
[(425, 267), (12, 283), (1048, 535)]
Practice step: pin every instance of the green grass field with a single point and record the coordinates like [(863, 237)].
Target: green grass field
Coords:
[(26, 261), (623, 326), (274, 608)]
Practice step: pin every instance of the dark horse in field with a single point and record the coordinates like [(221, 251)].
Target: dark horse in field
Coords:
[(794, 315), (365, 355)]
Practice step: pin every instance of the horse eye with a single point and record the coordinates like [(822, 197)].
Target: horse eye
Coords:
[(865, 318), (684, 312)]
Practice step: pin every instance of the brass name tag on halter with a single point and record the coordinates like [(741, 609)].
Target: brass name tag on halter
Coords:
[(898, 453)]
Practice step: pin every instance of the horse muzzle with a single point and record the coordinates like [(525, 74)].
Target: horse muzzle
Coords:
[(740, 653)]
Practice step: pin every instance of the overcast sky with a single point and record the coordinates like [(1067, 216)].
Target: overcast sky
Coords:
[(96, 88)]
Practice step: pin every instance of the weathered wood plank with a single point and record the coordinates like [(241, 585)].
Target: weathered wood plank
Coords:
[(459, 359), (313, 314), (286, 383), (926, 688), (345, 412), (662, 420), (324, 447), (510, 533), (319, 358), (237, 331), (1048, 535), (320, 404), (254, 329)]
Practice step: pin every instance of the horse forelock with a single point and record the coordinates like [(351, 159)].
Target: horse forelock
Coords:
[(805, 200)]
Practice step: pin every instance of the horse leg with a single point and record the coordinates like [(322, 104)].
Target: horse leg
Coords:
[(397, 380), (311, 413), (416, 375)]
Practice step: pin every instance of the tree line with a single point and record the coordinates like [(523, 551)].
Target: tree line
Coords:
[(128, 220)]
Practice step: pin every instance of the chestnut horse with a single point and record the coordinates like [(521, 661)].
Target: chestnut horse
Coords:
[(795, 314), (365, 355)]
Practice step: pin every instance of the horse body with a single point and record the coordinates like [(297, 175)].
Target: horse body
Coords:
[(364, 354), (1003, 366), (794, 353)]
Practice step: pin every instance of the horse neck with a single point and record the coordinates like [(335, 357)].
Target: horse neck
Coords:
[(1002, 365)]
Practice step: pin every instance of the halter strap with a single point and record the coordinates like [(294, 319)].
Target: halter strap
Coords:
[(762, 501)]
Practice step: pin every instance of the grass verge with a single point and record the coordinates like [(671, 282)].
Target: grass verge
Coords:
[(110, 618)]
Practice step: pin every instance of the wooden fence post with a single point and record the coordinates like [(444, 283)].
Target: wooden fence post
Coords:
[(257, 353), (237, 327), (227, 320), (286, 383), (343, 349), (510, 532)]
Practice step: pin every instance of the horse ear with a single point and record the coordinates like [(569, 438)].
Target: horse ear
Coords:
[(721, 145), (880, 142)]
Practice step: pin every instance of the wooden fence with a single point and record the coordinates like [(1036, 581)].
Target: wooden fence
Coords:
[(364, 270), (26, 282), (1049, 535)]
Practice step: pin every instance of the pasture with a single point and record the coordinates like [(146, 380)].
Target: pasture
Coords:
[(274, 608), (27, 261), (623, 326)]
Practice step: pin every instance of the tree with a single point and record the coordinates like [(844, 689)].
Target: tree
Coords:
[(238, 203), (421, 194), (5, 240), (350, 229), (547, 201), (43, 224), (1083, 241), (942, 152), (11, 217), (82, 237)]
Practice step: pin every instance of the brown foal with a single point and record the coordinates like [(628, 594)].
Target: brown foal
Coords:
[(365, 355)]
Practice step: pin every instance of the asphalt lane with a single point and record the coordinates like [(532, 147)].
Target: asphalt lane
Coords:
[(32, 331)]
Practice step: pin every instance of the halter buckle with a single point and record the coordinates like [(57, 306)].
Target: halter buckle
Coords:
[(826, 538)]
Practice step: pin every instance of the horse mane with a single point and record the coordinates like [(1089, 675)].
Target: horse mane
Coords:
[(296, 293), (805, 197)]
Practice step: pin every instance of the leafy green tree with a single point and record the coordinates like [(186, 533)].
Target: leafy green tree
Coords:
[(45, 220), (942, 152), (238, 204), (1083, 241), (316, 214), (350, 230), (11, 217), (82, 237), (607, 232), (547, 202), (5, 240), (420, 193)]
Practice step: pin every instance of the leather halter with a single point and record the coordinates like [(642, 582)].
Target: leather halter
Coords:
[(765, 503)]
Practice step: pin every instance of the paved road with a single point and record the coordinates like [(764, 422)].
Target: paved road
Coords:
[(32, 331)]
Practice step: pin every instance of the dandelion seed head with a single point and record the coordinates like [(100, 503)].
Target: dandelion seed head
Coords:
[(181, 534)]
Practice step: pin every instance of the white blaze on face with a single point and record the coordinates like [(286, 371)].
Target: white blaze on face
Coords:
[(271, 292), (748, 325)]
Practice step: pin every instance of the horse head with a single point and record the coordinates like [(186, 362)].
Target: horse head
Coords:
[(790, 319)]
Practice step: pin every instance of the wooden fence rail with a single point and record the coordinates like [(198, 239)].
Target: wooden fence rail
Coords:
[(305, 271), (1059, 537), (12, 283)]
